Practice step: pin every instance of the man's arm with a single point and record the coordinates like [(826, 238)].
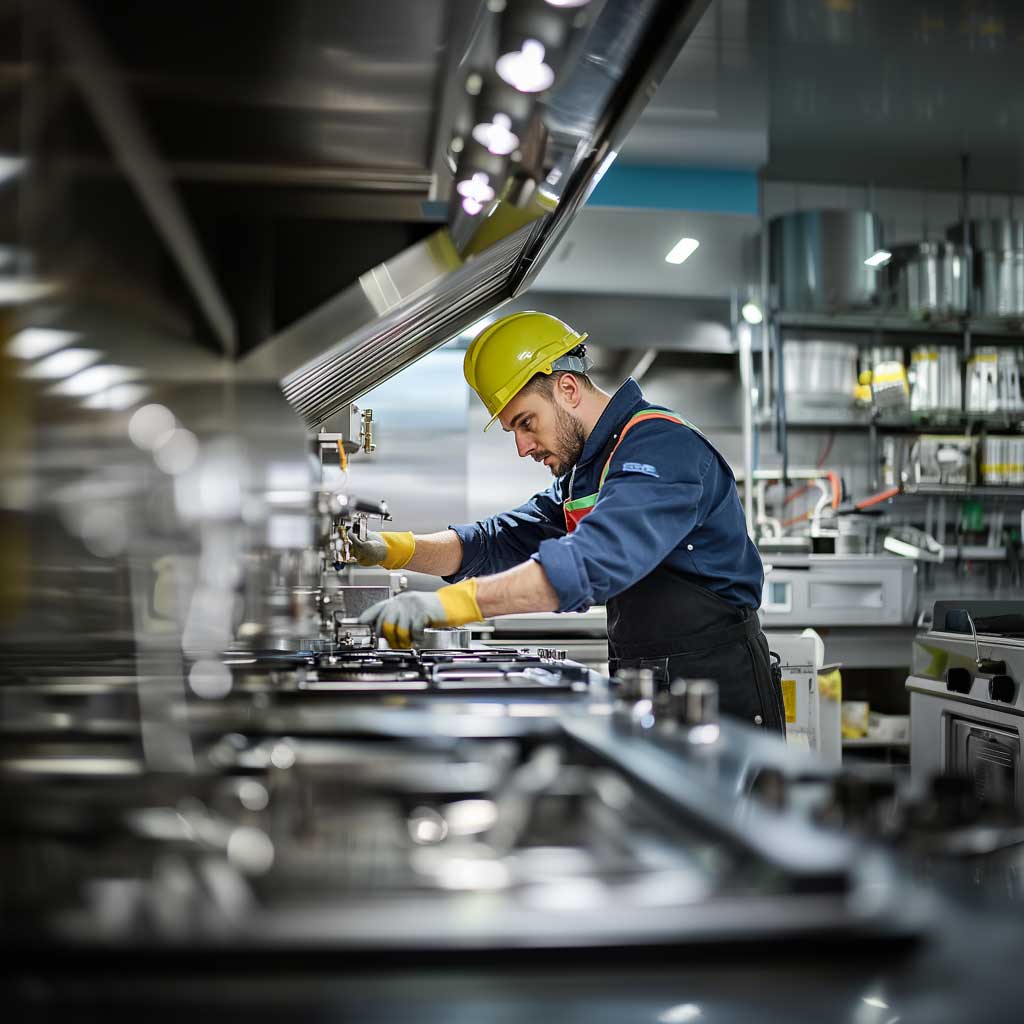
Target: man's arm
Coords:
[(476, 549), (402, 620), (523, 589), (439, 554), (503, 541)]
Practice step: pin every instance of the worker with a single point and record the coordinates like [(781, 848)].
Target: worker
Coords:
[(643, 517)]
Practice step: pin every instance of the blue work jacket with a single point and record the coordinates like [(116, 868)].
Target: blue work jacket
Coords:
[(668, 497)]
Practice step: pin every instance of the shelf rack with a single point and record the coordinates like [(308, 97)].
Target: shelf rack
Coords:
[(895, 323)]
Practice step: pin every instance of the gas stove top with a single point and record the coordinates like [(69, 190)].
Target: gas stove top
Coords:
[(462, 671)]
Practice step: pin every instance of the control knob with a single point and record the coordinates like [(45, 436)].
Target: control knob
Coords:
[(959, 680), (636, 684), (1002, 688), (692, 702)]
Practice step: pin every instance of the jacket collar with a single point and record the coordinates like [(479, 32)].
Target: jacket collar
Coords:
[(623, 404)]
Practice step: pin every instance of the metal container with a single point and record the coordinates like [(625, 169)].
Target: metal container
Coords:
[(983, 380), (856, 534), (929, 279), (817, 260), (1008, 381), (454, 638), (935, 379), (819, 373), (998, 266)]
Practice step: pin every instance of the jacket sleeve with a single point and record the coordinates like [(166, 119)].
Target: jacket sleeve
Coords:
[(649, 502), (508, 539)]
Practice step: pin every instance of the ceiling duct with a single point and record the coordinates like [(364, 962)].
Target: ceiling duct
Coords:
[(319, 196), (400, 324), (410, 304)]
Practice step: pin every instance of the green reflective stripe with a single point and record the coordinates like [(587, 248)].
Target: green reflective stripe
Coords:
[(644, 414), (578, 503)]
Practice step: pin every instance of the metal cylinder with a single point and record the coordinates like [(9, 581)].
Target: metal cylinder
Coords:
[(701, 701), (818, 260), (636, 684), (448, 639), (929, 279), (691, 702)]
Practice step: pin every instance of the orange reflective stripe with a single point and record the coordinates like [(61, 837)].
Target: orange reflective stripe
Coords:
[(640, 417)]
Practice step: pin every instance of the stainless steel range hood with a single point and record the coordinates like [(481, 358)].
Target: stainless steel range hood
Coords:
[(244, 183), (410, 304)]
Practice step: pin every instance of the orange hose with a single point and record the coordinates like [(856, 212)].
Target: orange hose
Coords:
[(877, 499)]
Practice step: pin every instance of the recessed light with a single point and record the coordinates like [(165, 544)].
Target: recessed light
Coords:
[(878, 259), (94, 379), (62, 364), (682, 250), (496, 136), (751, 312), (36, 342), (524, 69)]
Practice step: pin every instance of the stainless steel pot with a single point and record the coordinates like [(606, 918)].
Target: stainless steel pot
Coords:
[(447, 639), (819, 373), (998, 266), (929, 279), (817, 260), (935, 384)]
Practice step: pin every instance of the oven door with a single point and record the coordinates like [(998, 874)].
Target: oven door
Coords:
[(988, 754)]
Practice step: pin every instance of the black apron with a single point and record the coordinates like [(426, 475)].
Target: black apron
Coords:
[(669, 623)]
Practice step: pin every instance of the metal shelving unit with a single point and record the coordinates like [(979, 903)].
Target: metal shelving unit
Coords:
[(965, 422), (894, 323), (965, 490)]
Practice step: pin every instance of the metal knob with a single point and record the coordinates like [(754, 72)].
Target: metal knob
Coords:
[(636, 684), (692, 702), (701, 702)]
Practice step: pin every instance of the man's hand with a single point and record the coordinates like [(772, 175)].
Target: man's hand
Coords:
[(402, 620), (390, 550)]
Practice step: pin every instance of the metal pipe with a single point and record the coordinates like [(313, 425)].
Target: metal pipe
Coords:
[(767, 308), (746, 374)]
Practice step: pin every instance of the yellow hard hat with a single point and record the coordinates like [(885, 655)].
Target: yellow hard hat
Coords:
[(505, 355)]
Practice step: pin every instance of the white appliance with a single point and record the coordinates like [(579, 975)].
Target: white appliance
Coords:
[(812, 721)]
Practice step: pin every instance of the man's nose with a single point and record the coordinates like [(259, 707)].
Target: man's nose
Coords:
[(524, 445)]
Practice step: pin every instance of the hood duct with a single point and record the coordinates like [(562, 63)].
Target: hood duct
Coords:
[(407, 306)]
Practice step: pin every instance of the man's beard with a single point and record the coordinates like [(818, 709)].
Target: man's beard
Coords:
[(569, 442)]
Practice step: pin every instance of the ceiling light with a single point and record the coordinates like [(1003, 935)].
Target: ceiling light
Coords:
[(150, 424), (36, 342), (524, 69), (878, 259), (10, 167), (497, 136), (62, 364), (568, 3), (751, 312), (94, 380), (16, 290), (477, 189), (120, 396), (682, 250), (175, 451)]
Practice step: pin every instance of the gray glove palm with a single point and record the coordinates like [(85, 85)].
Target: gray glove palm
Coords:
[(402, 620), (371, 550)]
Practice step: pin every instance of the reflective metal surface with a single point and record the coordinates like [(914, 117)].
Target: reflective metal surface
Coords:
[(817, 260)]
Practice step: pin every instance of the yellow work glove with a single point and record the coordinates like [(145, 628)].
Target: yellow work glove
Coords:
[(402, 620), (390, 550)]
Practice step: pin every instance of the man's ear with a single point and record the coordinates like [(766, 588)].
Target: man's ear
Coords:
[(569, 389)]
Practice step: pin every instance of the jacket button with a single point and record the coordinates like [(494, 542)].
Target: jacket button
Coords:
[(758, 720), (689, 547)]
